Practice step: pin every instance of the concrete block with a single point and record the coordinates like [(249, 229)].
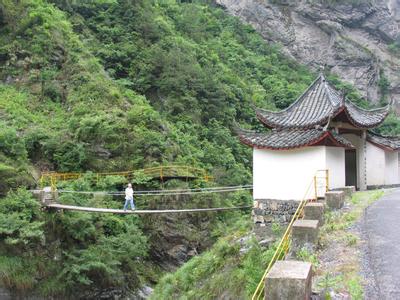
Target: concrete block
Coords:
[(349, 190), (335, 199), (314, 211), (289, 280), (46, 195), (304, 234), (38, 194)]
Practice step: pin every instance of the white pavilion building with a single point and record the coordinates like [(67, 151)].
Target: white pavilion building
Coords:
[(321, 130)]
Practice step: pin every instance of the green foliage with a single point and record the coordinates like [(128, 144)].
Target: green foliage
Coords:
[(10, 144), (277, 229), (355, 288), (338, 2), (351, 239), (116, 85), (330, 281), (394, 48), (383, 84), (305, 254), (16, 273), (140, 178), (20, 221), (221, 271), (391, 125), (102, 264), (351, 93)]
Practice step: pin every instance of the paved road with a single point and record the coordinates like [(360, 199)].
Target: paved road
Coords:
[(382, 232)]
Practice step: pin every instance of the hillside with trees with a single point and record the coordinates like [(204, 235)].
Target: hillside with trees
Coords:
[(115, 85)]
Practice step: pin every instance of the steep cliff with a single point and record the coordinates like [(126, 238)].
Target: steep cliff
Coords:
[(357, 40)]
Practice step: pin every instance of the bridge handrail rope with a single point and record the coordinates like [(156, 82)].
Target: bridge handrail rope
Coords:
[(284, 244), (168, 192)]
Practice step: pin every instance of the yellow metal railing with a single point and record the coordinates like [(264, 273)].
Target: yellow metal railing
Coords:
[(284, 244), (161, 172)]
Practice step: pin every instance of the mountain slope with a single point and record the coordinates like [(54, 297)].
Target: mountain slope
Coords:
[(357, 40), (118, 85)]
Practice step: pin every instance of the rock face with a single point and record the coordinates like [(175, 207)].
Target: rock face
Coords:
[(355, 41)]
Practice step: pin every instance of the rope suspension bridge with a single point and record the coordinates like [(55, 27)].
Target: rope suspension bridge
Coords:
[(49, 196)]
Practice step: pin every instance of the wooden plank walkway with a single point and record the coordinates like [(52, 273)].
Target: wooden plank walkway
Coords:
[(121, 211)]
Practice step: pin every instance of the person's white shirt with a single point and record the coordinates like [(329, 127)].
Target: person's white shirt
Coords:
[(128, 193)]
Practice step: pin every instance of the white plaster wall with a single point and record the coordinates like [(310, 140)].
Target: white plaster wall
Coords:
[(335, 163), (375, 165), (285, 175), (391, 168)]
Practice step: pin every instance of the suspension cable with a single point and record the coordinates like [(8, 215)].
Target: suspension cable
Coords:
[(169, 192)]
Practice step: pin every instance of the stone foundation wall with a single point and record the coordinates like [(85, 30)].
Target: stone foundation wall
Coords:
[(268, 211)]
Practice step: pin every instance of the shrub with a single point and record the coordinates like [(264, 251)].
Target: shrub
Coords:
[(21, 224)]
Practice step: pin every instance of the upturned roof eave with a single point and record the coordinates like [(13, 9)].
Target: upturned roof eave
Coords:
[(313, 142), (385, 146), (295, 102), (270, 119), (354, 122)]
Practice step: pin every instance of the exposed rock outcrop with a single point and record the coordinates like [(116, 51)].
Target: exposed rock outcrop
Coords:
[(350, 39)]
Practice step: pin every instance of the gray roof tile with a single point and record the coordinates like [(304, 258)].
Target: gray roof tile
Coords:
[(292, 138), (319, 103), (386, 142)]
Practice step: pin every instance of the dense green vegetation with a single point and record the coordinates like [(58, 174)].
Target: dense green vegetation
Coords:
[(231, 269), (114, 85), (118, 85)]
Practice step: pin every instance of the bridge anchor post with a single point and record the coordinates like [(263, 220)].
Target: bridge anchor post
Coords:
[(47, 196)]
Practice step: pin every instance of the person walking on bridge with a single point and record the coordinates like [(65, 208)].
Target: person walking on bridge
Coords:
[(129, 197)]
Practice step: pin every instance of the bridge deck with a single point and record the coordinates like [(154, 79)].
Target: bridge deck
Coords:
[(121, 211)]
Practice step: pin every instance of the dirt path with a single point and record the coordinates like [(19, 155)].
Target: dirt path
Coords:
[(381, 260)]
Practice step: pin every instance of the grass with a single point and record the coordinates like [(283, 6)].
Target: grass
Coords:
[(305, 255), (339, 265), (231, 269), (16, 273)]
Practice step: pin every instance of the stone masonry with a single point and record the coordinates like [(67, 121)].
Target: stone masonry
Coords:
[(267, 212)]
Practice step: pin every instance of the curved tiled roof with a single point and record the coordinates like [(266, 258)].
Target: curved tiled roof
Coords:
[(385, 142), (365, 118), (292, 138), (319, 103)]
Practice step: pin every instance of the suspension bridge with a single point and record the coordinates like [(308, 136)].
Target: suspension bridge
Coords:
[(49, 199), (49, 196)]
